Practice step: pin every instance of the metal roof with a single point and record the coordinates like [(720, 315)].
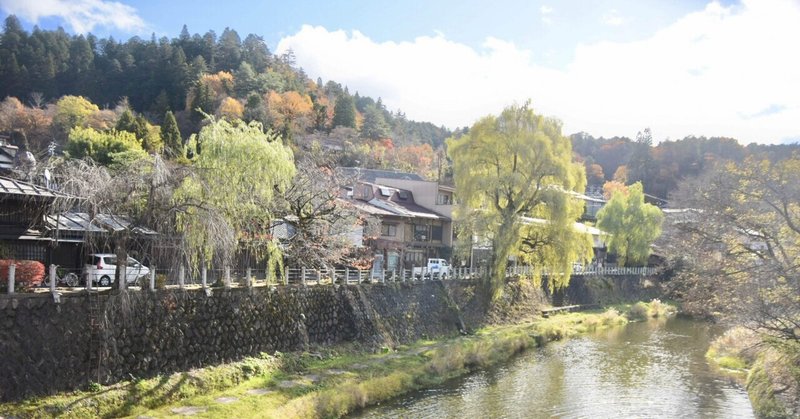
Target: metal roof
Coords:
[(9, 186), (102, 223)]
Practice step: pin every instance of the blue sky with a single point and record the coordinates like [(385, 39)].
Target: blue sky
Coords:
[(607, 67)]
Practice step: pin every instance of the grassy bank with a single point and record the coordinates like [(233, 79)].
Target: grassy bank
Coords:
[(771, 377), (323, 382)]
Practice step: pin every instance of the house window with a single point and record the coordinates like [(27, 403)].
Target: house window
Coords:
[(436, 233), (414, 256), (389, 230), (444, 199), (421, 233)]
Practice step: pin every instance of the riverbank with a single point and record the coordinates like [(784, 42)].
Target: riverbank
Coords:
[(320, 382), (771, 377)]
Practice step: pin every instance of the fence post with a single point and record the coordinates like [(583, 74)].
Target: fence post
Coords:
[(181, 276), (248, 280), (346, 275), (153, 278), (318, 276), (123, 277), (204, 276), (228, 277), (12, 271), (303, 275), (53, 278)]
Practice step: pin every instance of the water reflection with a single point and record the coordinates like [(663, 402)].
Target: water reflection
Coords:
[(647, 369)]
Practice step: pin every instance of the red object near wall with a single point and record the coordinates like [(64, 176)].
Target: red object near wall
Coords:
[(29, 273)]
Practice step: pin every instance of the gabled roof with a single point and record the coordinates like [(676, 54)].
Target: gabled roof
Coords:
[(393, 201)]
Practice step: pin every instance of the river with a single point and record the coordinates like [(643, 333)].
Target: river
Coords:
[(646, 369)]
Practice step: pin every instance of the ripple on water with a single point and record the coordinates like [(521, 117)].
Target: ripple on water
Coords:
[(642, 370)]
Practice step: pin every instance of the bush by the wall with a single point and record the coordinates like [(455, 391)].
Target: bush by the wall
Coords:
[(29, 273)]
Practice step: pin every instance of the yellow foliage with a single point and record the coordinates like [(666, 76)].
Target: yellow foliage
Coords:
[(288, 110), (220, 84), (613, 186), (230, 108), (621, 174)]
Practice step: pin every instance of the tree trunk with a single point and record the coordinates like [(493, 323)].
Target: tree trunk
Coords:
[(120, 274)]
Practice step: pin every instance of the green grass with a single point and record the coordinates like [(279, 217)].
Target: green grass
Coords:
[(324, 382), (734, 352)]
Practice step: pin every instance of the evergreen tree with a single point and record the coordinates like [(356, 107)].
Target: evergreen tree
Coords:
[(344, 112), (256, 53), (374, 126), (126, 122), (171, 136), (640, 165), (161, 104), (229, 50), (202, 102)]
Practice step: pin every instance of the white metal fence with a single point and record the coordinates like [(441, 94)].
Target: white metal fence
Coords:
[(180, 277)]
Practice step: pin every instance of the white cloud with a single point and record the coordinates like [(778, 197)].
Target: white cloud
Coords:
[(81, 15), (612, 18), (547, 14), (712, 72)]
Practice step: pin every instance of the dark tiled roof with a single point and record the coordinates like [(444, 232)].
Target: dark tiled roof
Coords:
[(388, 200), (370, 175)]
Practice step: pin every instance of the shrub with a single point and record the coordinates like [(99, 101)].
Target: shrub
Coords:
[(638, 311), (29, 273), (611, 317)]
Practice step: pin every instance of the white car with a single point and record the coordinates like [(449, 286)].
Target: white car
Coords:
[(101, 267)]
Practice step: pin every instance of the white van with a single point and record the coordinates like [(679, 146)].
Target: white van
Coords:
[(438, 268), (100, 269)]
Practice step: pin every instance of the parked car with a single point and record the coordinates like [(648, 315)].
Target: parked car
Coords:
[(438, 268), (101, 267)]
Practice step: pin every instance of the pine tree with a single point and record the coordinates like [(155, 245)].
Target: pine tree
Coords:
[(126, 122), (202, 103), (344, 112), (374, 126), (171, 136)]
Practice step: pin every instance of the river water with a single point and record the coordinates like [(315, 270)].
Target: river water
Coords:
[(643, 370)]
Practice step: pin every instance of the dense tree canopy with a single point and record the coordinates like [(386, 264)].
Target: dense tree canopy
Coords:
[(192, 75), (743, 230), (511, 171), (632, 224), (106, 148), (662, 166)]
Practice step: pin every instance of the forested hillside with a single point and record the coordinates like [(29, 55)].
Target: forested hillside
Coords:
[(660, 167), (53, 81), (158, 92)]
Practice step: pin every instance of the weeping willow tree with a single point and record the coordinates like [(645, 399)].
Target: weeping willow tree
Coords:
[(236, 173), (633, 225), (510, 171)]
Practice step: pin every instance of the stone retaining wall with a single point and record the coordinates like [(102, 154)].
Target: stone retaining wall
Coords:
[(112, 336)]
